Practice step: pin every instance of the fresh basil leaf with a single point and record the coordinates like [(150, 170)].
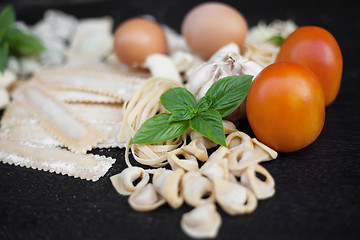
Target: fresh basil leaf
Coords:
[(203, 104), (181, 116), (158, 129), (210, 125), (178, 99), (7, 19), (21, 43), (277, 40), (228, 93), (4, 50)]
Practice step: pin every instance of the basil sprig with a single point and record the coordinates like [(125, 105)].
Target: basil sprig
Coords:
[(277, 40), (13, 40), (204, 116)]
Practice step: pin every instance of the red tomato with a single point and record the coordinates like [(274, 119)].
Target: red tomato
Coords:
[(285, 106), (318, 50)]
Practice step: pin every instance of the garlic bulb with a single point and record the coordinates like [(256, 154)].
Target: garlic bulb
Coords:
[(225, 62)]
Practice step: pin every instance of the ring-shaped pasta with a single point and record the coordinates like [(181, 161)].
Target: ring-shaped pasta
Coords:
[(188, 163), (197, 189), (201, 222), (197, 148), (146, 199), (234, 198), (167, 183), (124, 181), (262, 188)]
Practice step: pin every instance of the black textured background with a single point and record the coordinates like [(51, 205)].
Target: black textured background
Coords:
[(317, 188)]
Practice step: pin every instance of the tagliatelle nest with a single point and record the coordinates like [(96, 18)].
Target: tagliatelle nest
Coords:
[(258, 48), (195, 174)]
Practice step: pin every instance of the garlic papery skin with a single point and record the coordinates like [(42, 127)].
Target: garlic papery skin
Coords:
[(227, 61)]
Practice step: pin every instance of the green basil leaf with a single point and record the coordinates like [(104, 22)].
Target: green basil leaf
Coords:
[(277, 40), (178, 99), (7, 19), (210, 125), (21, 43), (203, 104), (181, 116), (228, 93), (158, 129), (4, 50)]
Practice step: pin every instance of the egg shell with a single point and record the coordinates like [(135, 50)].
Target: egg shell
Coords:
[(210, 26), (137, 38)]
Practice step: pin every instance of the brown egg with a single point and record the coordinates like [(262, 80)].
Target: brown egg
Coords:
[(210, 26), (137, 38)]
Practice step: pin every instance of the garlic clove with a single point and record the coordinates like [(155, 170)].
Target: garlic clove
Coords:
[(232, 47)]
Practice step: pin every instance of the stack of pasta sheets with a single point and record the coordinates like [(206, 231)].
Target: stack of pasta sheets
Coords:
[(59, 115)]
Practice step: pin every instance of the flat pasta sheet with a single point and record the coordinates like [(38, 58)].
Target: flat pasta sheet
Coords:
[(50, 126)]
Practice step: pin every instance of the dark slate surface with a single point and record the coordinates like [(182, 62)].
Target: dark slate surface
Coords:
[(317, 188)]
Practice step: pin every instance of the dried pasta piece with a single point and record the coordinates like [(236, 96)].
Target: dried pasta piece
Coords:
[(270, 151), (89, 167), (207, 142), (201, 222), (167, 183), (239, 141), (124, 181), (19, 125), (73, 132), (111, 65), (220, 153), (107, 118), (75, 96), (262, 189), (15, 113), (233, 197), (92, 39), (146, 199), (229, 127), (197, 148), (29, 132), (119, 86), (98, 112), (217, 165), (179, 158), (197, 189), (241, 158)]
